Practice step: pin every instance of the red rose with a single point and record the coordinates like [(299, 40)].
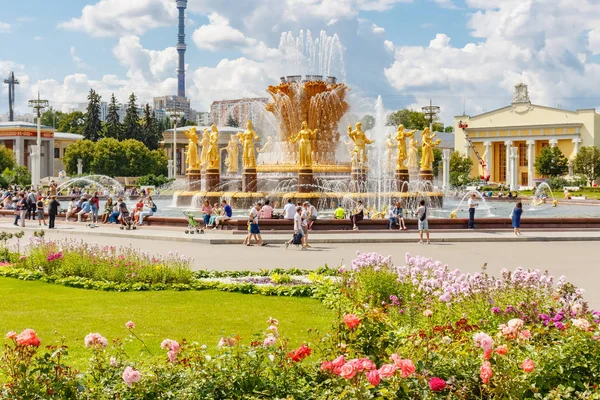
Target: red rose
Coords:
[(437, 384), (351, 321), (27, 338)]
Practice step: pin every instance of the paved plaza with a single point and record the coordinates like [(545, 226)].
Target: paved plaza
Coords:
[(569, 253)]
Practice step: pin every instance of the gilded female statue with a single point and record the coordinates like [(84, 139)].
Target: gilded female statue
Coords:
[(192, 149), (389, 149), (361, 141), (247, 139), (305, 138), (428, 144), (401, 136), (213, 157), (268, 147), (204, 143), (231, 162), (411, 160)]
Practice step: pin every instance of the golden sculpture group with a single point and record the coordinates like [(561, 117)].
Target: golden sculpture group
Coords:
[(209, 157)]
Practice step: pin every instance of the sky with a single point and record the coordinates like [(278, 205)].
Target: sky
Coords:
[(464, 55)]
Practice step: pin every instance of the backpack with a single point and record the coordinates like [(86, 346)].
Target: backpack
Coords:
[(297, 239), (424, 216), (154, 208)]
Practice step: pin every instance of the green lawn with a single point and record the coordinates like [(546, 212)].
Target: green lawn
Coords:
[(203, 316)]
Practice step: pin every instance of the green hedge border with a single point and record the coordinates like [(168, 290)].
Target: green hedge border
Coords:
[(86, 283)]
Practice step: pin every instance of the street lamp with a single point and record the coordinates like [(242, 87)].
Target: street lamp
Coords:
[(431, 112), (174, 114), (38, 105)]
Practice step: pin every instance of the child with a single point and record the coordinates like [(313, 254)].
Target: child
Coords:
[(422, 221), (516, 218)]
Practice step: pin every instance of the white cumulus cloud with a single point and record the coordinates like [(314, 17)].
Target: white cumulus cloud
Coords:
[(5, 27), (219, 34)]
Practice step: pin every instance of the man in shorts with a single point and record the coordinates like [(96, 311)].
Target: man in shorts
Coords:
[(423, 224), (254, 229)]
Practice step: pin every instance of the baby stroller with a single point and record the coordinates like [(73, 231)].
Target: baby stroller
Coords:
[(126, 221), (192, 224)]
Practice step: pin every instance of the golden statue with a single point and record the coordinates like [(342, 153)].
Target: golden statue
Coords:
[(204, 143), (428, 144), (360, 142), (212, 155), (305, 138), (231, 162), (411, 160), (268, 147), (401, 136), (247, 139), (389, 149), (192, 149)]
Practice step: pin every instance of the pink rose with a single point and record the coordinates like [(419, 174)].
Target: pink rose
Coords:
[(270, 340), (338, 362), (407, 368), (95, 340), (483, 340), (396, 359), (27, 338), (171, 345), (528, 365), (437, 384), (326, 366), (130, 325), (11, 335), (130, 376), (387, 370), (351, 321), (427, 313), (273, 329), (347, 371), (502, 350), (113, 362), (526, 334), (485, 372), (172, 356), (373, 377), (367, 365)]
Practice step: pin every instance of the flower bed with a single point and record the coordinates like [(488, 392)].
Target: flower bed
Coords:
[(416, 331)]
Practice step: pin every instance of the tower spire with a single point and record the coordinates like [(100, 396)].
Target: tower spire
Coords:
[(11, 81), (181, 47)]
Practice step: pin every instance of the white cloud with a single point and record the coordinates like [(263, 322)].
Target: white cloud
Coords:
[(153, 65), (26, 19), (378, 29), (517, 41), (117, 17), (76, 59), (5, 27), (446, 4), (219, 34)]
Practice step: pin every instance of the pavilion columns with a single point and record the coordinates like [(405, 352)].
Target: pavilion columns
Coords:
[(514, 160), (488, 156), (530, 162), (508, 144), (19, 149), (446, 169)]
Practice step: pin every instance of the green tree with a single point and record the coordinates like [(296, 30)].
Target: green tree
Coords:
[(149, 129), (460, 169), (18, 175), (231, 121), (113, 127), (413, 120), (92, 129), (52, 118), (368, 122), (449, 129), (587, 163), (139, 158), (72, 123), (7, 158), (551, 162), (131, 122), (109, 158), (81, 149), (159, 162)]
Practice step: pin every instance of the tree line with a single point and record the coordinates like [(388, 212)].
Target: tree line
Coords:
[(411, 119)]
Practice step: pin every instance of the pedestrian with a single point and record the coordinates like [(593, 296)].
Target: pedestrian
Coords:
[(226, 214), (86, 209), (423, 224), (20, 210), (472, 203), (52, 211), (40, 211), (254, 229), (289, 210), (516, 218), (397, 217), (31, 200), (305, 221), (358, 215), (312, 215), (298, 237), (95, 203)]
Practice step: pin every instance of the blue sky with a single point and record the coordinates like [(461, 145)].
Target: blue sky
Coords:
[(457, 52)]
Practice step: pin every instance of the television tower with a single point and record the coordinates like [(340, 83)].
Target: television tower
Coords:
[(181, 5), (11, 81)]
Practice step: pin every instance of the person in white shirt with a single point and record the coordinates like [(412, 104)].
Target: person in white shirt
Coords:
[(305, 221), (472, 205), (289, 210), (298, 231), (254, 229), (312, 215), (72, 210)]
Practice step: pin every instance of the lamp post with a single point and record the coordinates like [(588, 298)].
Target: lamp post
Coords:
[(174, 114), (36, 174), (431, 111)]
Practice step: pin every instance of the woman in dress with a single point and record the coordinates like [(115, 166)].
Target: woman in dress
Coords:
[(516, 218)]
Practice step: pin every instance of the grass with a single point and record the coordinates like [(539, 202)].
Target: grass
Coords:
[(201, 316)]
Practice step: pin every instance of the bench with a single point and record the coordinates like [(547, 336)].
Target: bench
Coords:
[(572, 188)]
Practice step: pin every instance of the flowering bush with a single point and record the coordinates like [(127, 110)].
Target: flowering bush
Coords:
[(438, 334)]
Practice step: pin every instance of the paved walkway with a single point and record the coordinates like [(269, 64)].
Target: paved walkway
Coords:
[(569, 253)]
